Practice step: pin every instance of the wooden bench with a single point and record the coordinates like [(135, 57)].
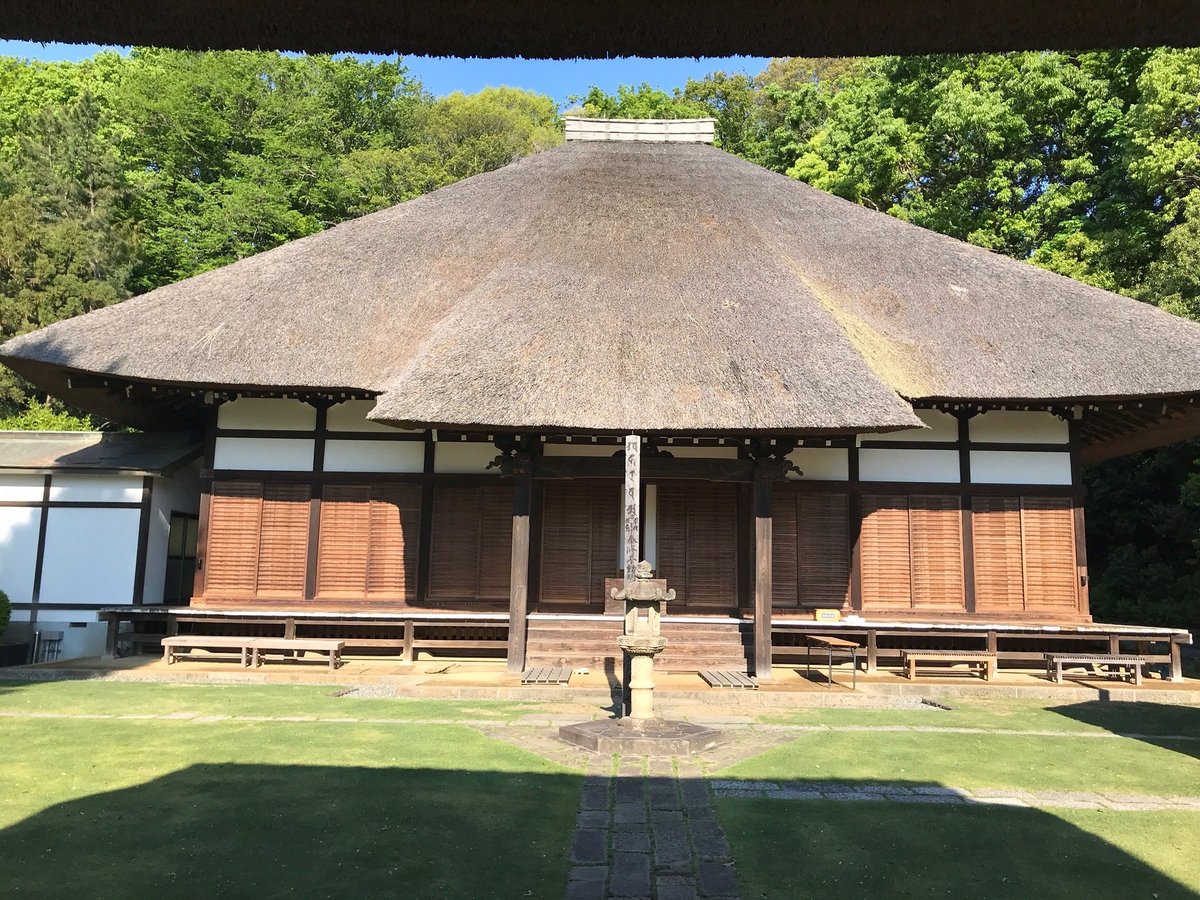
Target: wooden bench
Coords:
[(1128, 666), (261, 646), (173, 645), (985, 660)]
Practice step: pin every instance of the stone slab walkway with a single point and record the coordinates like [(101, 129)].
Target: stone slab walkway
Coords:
[(915, 793), (646, 830)]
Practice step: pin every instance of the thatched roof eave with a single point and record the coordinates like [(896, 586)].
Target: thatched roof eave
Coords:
[(589, 28)]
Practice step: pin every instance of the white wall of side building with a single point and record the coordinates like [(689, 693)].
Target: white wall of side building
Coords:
[(89, 552), (178, 494)]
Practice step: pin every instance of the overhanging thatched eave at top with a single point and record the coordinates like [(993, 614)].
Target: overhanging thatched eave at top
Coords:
[(591, 28)]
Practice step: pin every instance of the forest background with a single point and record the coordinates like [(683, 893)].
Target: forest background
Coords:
[(122, 173)]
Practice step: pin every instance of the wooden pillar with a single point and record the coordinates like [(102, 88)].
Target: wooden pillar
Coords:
[(518, 592), (966, 511), (872, 652), (110, 635), (1081, 560), (762, 576), (1176, 662), (143, 544), (406, 653)]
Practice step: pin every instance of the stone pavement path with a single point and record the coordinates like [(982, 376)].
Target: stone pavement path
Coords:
[(648, 830), (916, 793)]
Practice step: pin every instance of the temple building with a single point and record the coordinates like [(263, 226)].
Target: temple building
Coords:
[(413, 423)]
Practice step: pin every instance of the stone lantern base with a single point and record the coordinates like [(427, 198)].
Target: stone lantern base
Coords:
[(642, 737)]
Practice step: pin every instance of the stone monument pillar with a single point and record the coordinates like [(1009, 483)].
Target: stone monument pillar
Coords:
[(642, 639)]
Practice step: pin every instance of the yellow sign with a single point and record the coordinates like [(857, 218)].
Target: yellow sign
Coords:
[(829, 615)]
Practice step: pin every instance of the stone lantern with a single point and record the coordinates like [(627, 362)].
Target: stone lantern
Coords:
[(642, 639)]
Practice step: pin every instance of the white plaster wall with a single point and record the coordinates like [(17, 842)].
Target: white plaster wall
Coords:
[(462, 457), (96, 488), (351, 415), (374, 456), (267, 414), (19, 526), (581, 449), (687, 451), (821, 463), (1019, 426), (942, 427), (76, 642), (1016, 467), (181, 494), (270, 454), (90, 556), (908, 465), (22, 487)]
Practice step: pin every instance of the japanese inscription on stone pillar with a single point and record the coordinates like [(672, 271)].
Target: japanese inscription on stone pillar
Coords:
[(633, 504)]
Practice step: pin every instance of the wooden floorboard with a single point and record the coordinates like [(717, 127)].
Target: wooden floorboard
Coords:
[(728, 679)]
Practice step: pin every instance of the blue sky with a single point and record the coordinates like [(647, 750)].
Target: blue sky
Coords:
[(441, 75)]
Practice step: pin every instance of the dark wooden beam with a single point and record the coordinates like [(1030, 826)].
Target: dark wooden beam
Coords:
[(965, 506), (653, 468), (314, 504), (143, 544), (39, 561)]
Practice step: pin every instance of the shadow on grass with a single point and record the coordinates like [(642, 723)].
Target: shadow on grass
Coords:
[(301, 831), (1154, 723), (944, 847)]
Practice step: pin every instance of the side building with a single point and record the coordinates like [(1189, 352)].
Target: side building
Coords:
[(91, 520)]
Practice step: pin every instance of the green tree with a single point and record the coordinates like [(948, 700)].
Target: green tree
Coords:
[(66, 235), (474, 133)]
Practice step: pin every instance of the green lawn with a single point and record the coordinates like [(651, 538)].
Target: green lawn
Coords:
[(145, 808), (984, 761), (1143, 718), (148, 809), (134, 698), (818, 848)]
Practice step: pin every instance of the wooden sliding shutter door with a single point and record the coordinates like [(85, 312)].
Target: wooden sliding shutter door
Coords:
[(810, 551), (470, 548), (1025, 555), (257, 543), (581, 534), (912, 552), (697, 541), (369, 541)]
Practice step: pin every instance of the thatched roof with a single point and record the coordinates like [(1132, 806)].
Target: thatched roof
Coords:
[(593, 28), (633, 286)]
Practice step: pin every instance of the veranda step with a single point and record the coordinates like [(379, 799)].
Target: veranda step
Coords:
[(727, 679), (547, 675)]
